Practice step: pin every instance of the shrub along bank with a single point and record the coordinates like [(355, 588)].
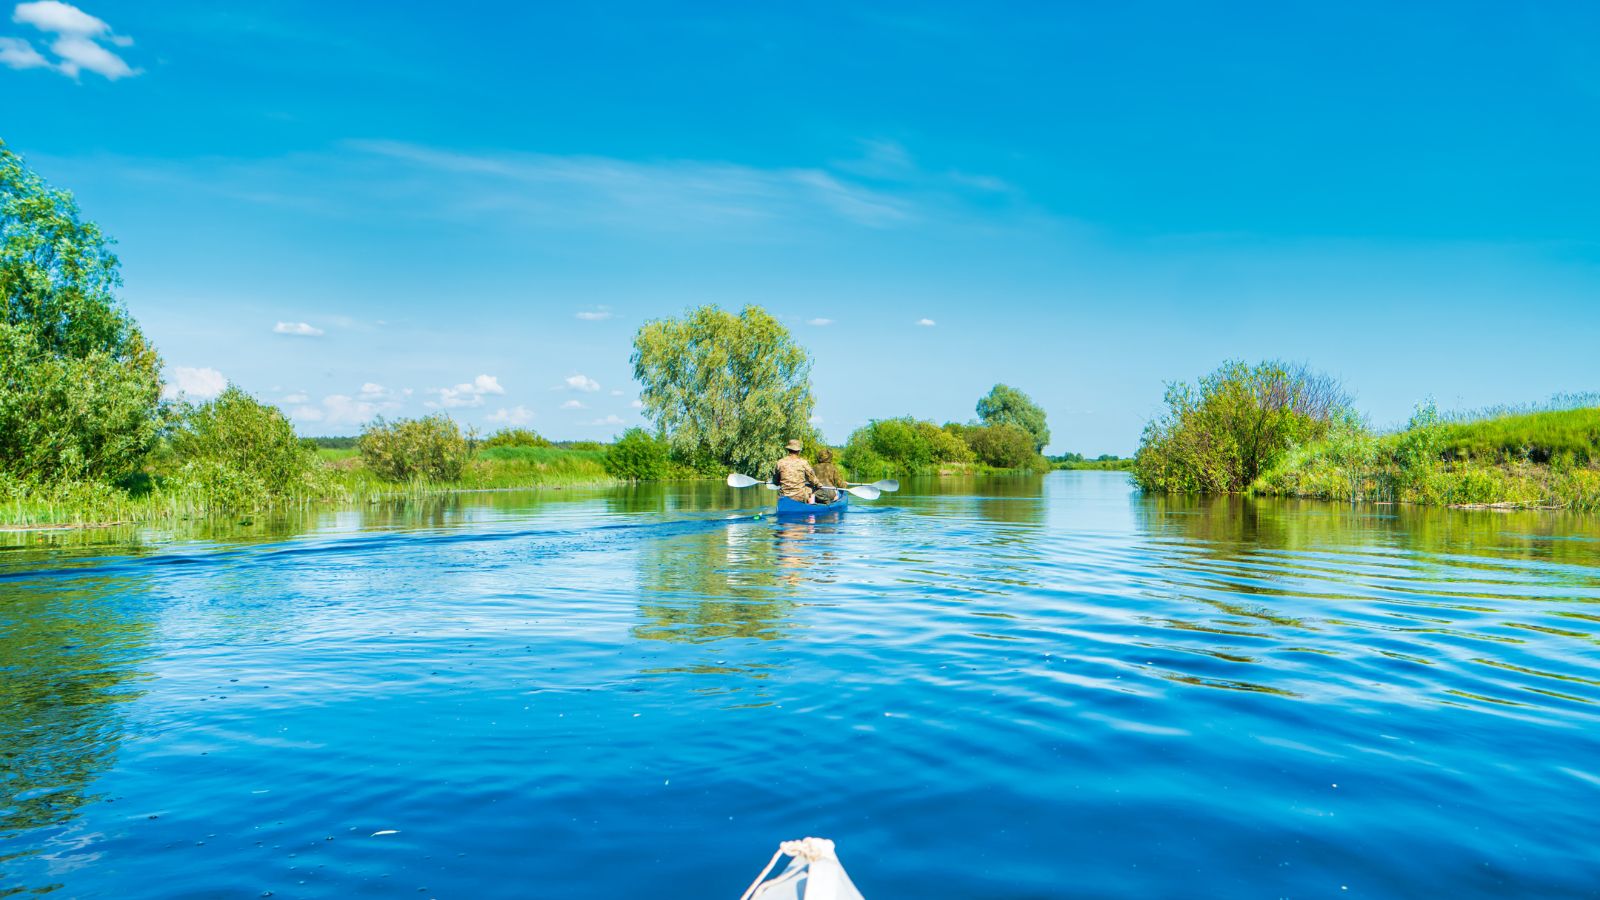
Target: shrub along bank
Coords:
[(1280, 430), (1542, 458)]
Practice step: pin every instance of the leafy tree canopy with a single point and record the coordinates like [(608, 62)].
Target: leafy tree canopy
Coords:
[(723, 388), (1005, 405), (80, 388)]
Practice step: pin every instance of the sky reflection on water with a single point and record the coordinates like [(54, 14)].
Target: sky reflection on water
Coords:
[(997, 688)]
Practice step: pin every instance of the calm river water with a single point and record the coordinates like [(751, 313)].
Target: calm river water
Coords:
[(1001, 688)]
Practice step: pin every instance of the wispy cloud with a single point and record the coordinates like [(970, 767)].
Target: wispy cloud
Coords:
[(301, 329), (926, 323), (819, 322), (466, 394), (371, 401), (583, 383), (515, 415), (194, 383), (637, 404), (78, 43), (598, 314), (295, 398), (653, 194), (612, 419), (572, 404)]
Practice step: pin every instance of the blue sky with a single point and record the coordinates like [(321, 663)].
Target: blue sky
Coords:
[(355, 209)]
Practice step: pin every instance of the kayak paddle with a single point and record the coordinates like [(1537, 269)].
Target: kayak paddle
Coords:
[(864, 491)]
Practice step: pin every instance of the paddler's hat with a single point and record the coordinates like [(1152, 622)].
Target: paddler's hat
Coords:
[(794, 446)]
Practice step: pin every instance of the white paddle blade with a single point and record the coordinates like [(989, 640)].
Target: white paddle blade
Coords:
[(888, 484), (865, 491), (735, 480)]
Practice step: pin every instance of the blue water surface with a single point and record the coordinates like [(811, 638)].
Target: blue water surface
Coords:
[(1007, 688)]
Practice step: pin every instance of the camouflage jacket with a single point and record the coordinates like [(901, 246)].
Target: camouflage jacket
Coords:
[(794, 478)]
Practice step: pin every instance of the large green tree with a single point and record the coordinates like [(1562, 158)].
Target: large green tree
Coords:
[(725, 389), (80, 387), (1005, 405)]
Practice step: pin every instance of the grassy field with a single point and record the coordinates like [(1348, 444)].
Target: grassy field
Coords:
[(1544, 458)]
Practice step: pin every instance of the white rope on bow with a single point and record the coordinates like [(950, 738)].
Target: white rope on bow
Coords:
[(807, 850)]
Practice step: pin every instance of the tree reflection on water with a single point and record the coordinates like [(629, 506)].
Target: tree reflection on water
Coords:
[(71, 653)]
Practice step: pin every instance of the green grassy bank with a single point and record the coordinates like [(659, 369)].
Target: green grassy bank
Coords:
[(154, 499), (1542, 458)]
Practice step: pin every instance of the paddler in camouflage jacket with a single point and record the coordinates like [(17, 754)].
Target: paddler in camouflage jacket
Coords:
[(793, 475)]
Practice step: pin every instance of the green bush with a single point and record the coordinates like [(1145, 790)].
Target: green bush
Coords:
[(431, 448), (1221, 436), (240, 452), (515, 437), (904, 445), (1002, 446), (638, 456)]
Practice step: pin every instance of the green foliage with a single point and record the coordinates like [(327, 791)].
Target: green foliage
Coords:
[(581, 445), (1436, 460), (637, 456), (431, 448), (723, 388), (1003, 446), (1005, 405), (1221, 436), (1105, 462), (79, 385), (1541, 437), (240, 453), (515, 437), (901, 446)]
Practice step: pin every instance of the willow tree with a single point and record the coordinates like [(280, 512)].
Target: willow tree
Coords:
[(80, 387), (725, 390)]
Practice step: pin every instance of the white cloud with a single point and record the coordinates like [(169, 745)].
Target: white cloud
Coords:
[(598, 314), (194, 384), (815, 420), (616, 393), (77, 42), (516, 415), (819, 322), (572, 404), (371, 401), (19, 54), (339, 409), (926, 323), (637, 404), (297, 328), (608, 420), (468, 394), (583, 383)]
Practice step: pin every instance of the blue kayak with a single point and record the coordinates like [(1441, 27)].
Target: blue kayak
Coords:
[(787, 507)]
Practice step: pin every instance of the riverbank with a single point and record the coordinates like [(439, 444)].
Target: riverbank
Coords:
[(1543, 459), (348, 482)]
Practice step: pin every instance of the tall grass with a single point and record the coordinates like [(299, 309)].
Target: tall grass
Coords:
[(347, 482), (1543, 458)]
